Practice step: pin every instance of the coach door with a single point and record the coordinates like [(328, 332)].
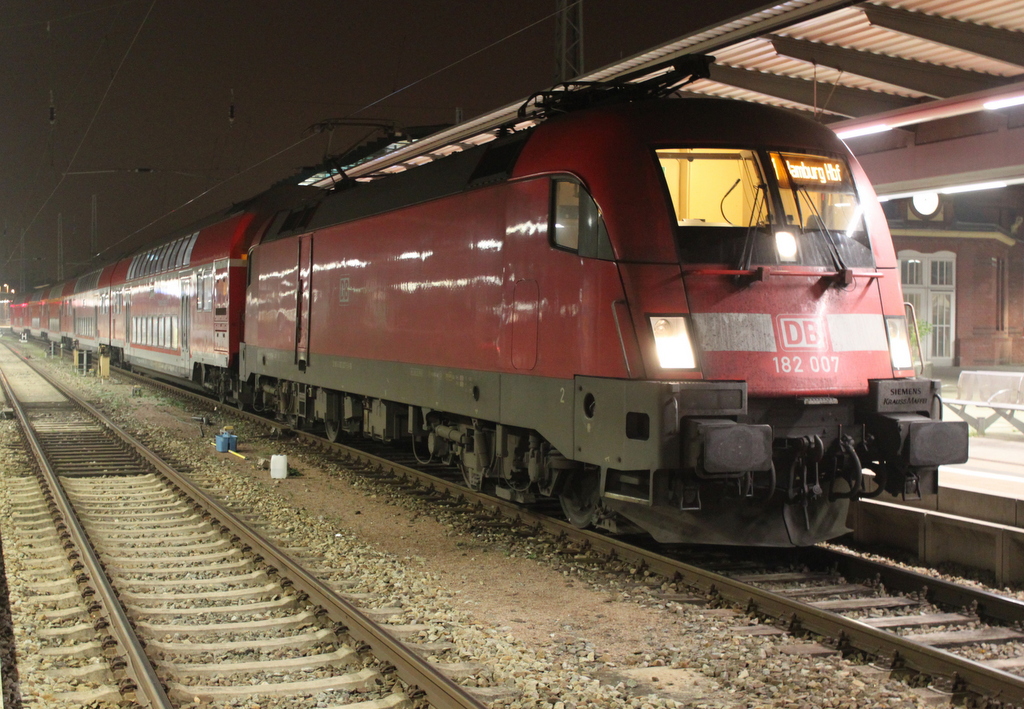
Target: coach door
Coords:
[(303, 295)]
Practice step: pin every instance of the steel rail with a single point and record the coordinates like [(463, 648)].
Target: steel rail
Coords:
[(149, 689), (440, 691), (989, 606), (964, 675)]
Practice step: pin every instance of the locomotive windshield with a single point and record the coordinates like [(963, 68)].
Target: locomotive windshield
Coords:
[(747, 207)]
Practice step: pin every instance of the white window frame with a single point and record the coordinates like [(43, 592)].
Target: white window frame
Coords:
[(925, 293)]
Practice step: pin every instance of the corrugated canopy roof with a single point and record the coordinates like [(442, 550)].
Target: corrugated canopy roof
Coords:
[(844, 62)]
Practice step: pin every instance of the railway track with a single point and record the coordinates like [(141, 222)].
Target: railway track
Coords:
[(159, 596), (904, 621)]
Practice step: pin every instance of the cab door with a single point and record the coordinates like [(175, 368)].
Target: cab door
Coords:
[(303, 296)]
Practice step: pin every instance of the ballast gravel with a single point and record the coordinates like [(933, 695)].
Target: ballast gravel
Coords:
[(549, 629)]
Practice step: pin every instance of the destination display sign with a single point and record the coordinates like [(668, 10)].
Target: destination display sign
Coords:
[(806, 170)]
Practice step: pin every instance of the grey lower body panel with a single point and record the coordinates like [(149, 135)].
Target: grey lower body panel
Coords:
[(636, 424), (542, 404), (169, 364)]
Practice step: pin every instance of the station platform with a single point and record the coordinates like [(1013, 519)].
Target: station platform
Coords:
[(996, 464), (28, 387)]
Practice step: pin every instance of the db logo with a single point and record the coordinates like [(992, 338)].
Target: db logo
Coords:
[(801, 333)]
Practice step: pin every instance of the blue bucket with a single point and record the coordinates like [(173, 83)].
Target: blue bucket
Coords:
[(232, 442), (222, 443)]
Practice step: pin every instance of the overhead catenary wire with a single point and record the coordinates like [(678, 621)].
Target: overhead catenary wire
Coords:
[(92, 120), (70, 99), (309, 136), (459, 61), (67, 171), (64, 18), (205, 192)]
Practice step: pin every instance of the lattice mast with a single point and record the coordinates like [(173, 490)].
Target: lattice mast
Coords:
[(568, 40)]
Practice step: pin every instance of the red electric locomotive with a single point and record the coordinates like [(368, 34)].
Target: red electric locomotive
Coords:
[(680, 314), (677, 315)]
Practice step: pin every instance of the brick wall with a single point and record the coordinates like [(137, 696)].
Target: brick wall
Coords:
[(982, 336)]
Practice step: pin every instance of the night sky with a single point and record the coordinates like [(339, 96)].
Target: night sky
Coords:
[(148, 85)]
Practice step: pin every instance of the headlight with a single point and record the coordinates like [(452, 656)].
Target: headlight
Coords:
[(785, 246), (672, 341), (899, 342)]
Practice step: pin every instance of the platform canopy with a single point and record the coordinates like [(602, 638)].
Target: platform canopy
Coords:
[(923, 91)]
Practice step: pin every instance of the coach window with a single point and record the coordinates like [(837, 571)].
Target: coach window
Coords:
[(179, 254), (166, 256), (204, 291), (221, 292), (576, 222), (208, 288)]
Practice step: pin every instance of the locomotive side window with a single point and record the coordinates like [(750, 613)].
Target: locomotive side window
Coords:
[(576, 222), (566, 214)]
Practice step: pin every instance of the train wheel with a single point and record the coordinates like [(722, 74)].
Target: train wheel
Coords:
[(581, 497), (332, 429)]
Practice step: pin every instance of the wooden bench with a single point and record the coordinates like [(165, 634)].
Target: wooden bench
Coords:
[(1002, 393)]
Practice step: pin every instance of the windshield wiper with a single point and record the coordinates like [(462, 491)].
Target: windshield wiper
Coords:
[(830, 242), (747, 255)]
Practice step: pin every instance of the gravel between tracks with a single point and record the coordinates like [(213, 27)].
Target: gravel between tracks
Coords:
[(32, 684), (558, 632)]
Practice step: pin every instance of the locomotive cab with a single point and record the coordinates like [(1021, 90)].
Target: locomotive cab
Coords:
[(775, 347)]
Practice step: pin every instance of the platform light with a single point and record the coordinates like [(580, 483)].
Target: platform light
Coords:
[(1004, 102), (785, 245), (953, 189), (672, 342), (926, 203), (865, 130), (1001, 97), (973, 187)]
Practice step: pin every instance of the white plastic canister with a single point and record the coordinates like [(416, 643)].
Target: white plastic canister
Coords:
[(279, 467)]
